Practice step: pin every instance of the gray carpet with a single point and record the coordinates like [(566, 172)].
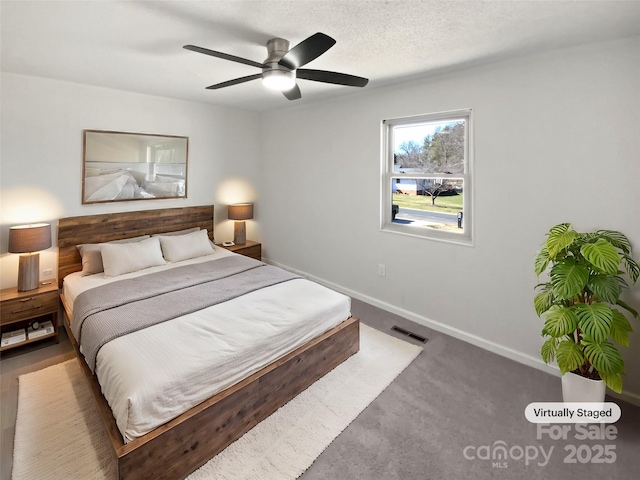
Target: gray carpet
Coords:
[(456, 395)]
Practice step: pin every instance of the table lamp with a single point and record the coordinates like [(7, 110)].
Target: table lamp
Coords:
[(240, 212), (29, 239)]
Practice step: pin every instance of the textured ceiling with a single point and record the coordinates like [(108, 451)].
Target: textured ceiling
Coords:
[(137, 45)]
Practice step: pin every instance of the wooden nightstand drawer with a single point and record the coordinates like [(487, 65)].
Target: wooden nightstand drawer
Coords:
[(253, 252), (250, 249), (29, 306)]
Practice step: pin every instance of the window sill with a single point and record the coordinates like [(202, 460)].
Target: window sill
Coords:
[(429, 234)]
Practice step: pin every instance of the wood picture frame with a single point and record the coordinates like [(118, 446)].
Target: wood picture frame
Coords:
[(126, 166)]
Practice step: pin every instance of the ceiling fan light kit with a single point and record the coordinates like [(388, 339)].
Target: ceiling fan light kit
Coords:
[(282, 66), (278, 80)]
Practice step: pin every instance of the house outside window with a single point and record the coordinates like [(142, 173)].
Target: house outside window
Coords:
[(426, 181)]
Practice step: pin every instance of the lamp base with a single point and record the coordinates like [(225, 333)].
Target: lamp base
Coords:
[(239, 233), (28, 272)]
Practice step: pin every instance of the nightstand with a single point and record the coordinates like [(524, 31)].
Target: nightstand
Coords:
[(18, 310), (249, 249)]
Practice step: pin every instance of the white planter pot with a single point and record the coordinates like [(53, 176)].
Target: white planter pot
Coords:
[(580, 389)]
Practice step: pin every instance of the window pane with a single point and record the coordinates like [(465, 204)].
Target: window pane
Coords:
[(434, 203), (427, 174), (436, 147)]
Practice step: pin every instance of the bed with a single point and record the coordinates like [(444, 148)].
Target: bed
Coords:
[(180, 444)]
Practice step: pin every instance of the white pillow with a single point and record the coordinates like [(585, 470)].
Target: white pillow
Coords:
[(92, 258), (183, 247), (130, 257)]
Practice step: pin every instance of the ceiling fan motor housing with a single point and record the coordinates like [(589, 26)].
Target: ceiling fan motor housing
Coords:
[(274, 75), (276, 48)]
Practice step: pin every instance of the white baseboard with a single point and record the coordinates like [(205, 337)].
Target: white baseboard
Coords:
[(631, 398), (485, 344)]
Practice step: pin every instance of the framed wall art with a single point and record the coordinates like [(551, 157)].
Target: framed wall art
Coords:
[(123, 166)]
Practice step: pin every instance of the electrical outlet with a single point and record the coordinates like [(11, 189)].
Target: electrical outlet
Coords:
[(382, 270), (47, 272)]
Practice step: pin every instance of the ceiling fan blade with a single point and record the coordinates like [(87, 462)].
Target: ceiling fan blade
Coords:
[(235, 81), (307, 50), (293, 94), (331, 77), (224, 56)]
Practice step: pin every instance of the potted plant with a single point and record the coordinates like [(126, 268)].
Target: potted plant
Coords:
[(580, 302)]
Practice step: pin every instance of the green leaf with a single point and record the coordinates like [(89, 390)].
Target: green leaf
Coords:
[(560, 237), (616, 239), (632, 267), (568, 279), (569, 355), (602, 255), (620, 328), (627, 308), (614, 382), (541, 261), (560, 321), (543, 300), (603, 356), (548, 350), (606, 288), (621, 281), (595, 320)]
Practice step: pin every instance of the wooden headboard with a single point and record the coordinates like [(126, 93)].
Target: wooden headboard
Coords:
[(73, 231)]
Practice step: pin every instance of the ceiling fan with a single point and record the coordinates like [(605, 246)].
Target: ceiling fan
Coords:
[(282, 66)]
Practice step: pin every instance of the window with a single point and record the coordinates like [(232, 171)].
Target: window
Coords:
[(426, 186)]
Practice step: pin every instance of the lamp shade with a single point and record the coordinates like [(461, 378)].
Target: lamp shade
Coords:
[(241, 211), (29, 238)]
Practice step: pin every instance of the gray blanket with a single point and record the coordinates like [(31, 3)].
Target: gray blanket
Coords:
[(107, 312)]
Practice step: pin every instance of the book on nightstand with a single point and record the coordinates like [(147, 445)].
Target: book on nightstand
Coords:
[(45, 329), (11, 338)]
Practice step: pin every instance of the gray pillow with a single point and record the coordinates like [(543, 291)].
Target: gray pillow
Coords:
[(177, 232)]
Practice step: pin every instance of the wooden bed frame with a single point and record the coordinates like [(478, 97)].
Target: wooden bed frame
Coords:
[(179, 447)]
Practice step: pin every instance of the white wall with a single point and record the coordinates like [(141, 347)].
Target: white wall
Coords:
[(557, 138), (41, 154)]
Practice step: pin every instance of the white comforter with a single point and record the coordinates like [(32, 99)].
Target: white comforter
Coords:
[(152, 375)]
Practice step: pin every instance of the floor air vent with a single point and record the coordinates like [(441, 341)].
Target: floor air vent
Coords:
[(415, 336)]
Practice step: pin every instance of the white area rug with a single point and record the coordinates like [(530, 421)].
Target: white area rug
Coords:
[(60, 436)]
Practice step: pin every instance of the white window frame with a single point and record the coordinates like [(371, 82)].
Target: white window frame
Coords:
[(388, 175)]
